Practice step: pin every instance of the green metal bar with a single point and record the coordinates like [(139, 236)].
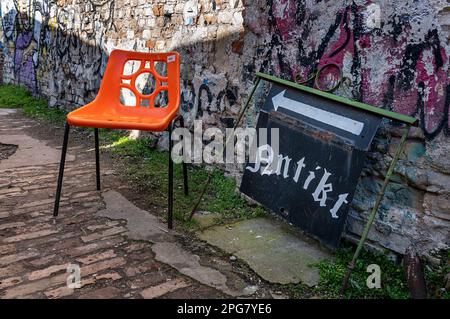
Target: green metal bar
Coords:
[(372, 216), (369, 108), (211, 172)]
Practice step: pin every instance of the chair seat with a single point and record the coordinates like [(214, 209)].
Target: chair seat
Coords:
[(123, 117)]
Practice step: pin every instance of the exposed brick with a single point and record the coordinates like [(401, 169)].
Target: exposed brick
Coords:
[(11, 270), (39, 262), (103, 293), (142, 268), (164, 288), (65, 291), (81, 250), (43, 209), (5, 260), (82, 194), (37, 203), (40, 233), (42, 273), (97, 257), (47, 241), (59, 292), (136, 246), (43, 284), (7, 282), (9, 190), (149, 279), (32, 228), (16, 195), (6, 249), (108, 276), (106, 233), (4, 214)]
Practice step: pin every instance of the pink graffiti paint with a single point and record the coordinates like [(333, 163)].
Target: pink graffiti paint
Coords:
[(336, 52), (379, 68), (375, 79), (435, 82), (284, 12), (342, 46)]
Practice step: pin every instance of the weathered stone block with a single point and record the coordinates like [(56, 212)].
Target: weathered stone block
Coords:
[(437, 205), (225, 17)]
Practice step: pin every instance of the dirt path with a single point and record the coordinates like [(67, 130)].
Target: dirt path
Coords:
[(122, 251)]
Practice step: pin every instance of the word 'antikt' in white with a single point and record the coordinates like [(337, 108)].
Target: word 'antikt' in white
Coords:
[(280, 164)]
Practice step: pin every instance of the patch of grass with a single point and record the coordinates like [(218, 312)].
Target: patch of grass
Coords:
[(14, 96), (111, 136), (40, 110), (332, 272), (147, 169)]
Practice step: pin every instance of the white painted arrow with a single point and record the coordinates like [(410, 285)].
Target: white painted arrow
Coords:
[(336, 120)]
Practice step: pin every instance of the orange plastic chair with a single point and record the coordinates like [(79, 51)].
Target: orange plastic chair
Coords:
[(109, 111)]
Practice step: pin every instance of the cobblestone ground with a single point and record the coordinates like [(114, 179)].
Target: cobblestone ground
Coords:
[(36, 249)]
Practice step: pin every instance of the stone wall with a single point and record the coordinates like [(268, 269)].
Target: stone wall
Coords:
[(394, 54)]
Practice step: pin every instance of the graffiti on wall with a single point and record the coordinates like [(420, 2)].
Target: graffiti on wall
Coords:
[(2, 60), (59, 50), (55, 50), (203, 103), (391, 52), (19, 28)]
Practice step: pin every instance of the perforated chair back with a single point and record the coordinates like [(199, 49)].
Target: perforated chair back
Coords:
[(117, 79)]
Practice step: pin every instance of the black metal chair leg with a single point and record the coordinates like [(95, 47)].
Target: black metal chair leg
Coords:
[(61, 170), (97, 159), (170, 191), (185, 176)]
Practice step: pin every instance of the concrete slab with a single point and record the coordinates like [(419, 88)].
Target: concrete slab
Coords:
[(271, 248), (189, 264), (142, 225), (206, 219), (30, 151)]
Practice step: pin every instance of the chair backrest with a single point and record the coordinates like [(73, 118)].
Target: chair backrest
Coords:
[(144, 67)]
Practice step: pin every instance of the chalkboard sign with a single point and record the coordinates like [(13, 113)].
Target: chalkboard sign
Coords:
[(312, 179)]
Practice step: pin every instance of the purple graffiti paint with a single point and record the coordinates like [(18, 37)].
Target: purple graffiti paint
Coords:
[(23, 60)]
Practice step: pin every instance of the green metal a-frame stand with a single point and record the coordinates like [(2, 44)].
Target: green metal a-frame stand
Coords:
[(401, 118)]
